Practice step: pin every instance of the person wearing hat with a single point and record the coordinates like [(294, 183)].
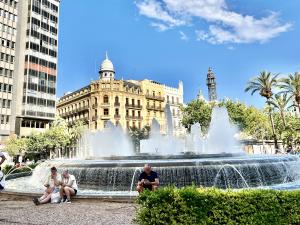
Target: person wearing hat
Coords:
[(52, 185)]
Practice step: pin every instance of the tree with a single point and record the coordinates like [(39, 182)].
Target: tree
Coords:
[(137, 135), (281, 102), (76, 131), (197, 111), (264, 83), (291, 86), (15, 146), (250, 120)]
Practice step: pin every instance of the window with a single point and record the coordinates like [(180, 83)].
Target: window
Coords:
[(132, 102), (116, 99), (139, 103), (106, 112), (116, 112), (105, 99)]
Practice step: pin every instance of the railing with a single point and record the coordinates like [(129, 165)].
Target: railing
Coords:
[(94, 118), (105, 117), (117, 116), (133, 106), (156, 108), (134, 117), (155, 97), (117, 104), (104, 104), (95, 105)]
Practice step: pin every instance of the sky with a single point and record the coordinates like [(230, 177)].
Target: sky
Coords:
[(172, 40)]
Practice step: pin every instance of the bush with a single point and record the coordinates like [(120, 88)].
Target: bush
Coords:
[(14, 170), (213, 206)]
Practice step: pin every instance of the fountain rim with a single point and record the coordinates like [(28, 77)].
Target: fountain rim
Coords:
[(174, 161)]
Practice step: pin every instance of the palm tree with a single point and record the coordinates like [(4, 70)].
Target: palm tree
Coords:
[(291, 85), (281, 102), (263, 84)]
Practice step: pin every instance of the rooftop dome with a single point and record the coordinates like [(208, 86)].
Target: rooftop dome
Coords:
[(107, 65)]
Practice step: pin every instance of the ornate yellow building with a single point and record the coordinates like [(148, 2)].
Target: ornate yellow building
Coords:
[(128, 103)]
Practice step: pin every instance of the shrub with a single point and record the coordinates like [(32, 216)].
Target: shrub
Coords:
[(14, 170), (213, 206)]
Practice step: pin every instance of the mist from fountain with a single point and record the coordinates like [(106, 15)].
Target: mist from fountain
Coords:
[(220, 137), (160, 144), (111, 141), (194, 140)]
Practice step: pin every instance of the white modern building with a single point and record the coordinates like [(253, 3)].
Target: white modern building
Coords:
[(174, 97), (33, 35)]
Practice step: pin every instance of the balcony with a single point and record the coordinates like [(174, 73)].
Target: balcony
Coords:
[(134, 117), (105, 117), (94, 118), (105, 104), (155, 108), (82, 108), (133, 106), (95, 105), (117, 104), (117, 116), (155, 97)]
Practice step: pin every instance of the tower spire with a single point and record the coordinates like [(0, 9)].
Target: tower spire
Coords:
[(106, 55), (212, 85)]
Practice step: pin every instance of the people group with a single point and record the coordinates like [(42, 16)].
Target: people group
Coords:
[(59, 188)]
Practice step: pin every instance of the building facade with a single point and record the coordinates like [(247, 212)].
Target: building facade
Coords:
[(33, 41), (174, 97), (126, 103), (8, 38)]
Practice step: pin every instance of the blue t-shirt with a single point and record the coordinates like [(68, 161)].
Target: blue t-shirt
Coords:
[(151, 177)]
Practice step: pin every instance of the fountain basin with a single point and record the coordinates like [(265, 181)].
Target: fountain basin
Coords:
[(120, 174)]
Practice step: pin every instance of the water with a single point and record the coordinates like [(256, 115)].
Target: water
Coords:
[(112, 141), (108, 166), (160, 144), (220, 137)]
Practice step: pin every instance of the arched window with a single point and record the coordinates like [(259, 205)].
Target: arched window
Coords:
[(105, 99), (116, 99)]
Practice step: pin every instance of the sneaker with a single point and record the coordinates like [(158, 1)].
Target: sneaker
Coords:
[(64, 200), (36, 201), (68, 201)]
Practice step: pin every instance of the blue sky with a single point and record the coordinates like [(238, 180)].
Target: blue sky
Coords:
[(171, 40)]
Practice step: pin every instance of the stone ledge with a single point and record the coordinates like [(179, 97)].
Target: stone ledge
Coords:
[(19, 196)]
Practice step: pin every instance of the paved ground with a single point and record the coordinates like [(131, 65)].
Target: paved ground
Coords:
[(77, 213)]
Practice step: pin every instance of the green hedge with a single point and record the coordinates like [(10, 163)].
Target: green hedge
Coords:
[(213, 206)]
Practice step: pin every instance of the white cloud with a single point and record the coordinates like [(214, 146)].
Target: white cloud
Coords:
[(183, 36), (159, 26), (224, 25)]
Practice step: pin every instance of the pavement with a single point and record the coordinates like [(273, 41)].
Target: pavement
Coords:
[(24, 212)]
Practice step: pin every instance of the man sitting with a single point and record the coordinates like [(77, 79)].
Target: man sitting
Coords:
[(68, 186), (148, 180), (52, 188)]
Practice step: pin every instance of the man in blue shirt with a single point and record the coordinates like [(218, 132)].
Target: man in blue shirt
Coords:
[(148, 180)]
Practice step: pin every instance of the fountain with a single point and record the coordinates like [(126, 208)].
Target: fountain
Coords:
[(107, 165)]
